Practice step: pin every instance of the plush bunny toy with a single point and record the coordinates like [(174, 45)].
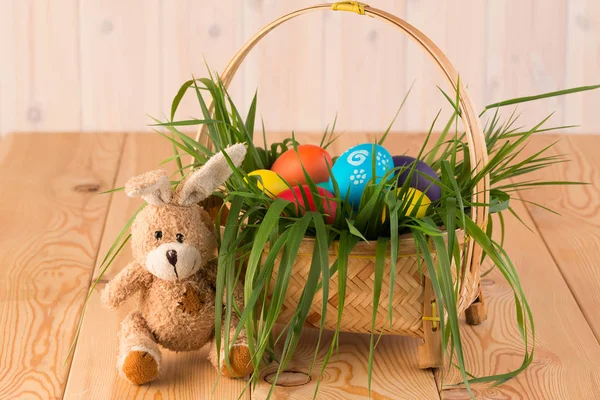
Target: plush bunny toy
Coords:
[(174, 268)]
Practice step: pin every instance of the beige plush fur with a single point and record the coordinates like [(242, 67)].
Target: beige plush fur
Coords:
[(174, 270)]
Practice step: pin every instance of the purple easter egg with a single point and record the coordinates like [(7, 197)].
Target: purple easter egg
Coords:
[(430, 186)]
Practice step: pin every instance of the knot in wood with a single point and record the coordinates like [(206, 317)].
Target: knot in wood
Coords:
[(288, 378), (87, 187)]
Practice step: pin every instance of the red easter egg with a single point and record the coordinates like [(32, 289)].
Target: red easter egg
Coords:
[(314, 159), (294, 195)]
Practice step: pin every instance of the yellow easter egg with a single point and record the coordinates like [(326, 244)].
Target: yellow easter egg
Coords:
[(414, 195), (269, 182)]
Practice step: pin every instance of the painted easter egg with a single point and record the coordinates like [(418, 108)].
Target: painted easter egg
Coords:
[(326, 185), (314, 159), (294, 195), (426, 179), (415, 196), (269, 182), (354, 169)]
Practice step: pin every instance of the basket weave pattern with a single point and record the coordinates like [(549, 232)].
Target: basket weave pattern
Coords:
[(407, 305), (407, 300)]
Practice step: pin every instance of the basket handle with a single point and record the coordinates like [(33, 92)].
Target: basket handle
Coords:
[(474, 133)]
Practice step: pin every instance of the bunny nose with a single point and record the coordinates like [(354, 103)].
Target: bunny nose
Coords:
[(172, 257)]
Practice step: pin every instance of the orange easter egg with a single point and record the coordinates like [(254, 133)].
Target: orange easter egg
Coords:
[(314, 159)]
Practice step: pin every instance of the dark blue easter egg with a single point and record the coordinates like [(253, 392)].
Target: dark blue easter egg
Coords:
[(426, 179), (353, 170)]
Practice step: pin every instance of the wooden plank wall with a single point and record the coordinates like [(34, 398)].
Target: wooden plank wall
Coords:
[(102, 65)]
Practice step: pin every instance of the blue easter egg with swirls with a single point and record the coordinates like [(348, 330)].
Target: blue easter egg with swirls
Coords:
[(357, 166)]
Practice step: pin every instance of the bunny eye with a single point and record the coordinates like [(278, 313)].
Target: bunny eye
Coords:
[(158, 235), (179, 238)]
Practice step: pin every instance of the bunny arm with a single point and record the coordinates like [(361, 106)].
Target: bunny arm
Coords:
[(127, 282)]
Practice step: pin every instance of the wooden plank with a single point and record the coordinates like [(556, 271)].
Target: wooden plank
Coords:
[(582, 62), (425, 99), (52, 220), (395, 371), (39, 75), (466, 46), (93, 373), (192, 34), (104, 65), (355, 48), (573, 237), (7, 70), (286, 67), (526, 49), (120, 64)]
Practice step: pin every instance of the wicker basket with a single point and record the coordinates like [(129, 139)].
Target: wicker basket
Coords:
[(414, 312)]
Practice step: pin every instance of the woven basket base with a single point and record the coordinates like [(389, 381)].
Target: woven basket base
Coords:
[(407, 302)]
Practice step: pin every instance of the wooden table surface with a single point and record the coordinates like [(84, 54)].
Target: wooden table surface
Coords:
[(56, 228)]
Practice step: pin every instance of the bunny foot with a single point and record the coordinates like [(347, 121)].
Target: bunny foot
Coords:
[(240, 362), (139, 367)]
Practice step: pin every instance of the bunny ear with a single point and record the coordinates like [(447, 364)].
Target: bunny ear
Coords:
[(153, 186), (213, 174)]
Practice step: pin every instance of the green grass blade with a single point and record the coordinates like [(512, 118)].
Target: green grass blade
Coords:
[(541, 96), (380, 256)]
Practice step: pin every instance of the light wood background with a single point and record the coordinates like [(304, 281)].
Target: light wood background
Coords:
[(101, 65)]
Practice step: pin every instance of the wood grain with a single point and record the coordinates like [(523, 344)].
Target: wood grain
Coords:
[(573, 237), (192, 36), (94, 374), (395, 371), (469, 52), (356, 48), (52, 220), (39, 41), (286, 72), (7, 70), (567, 355), (120, 64), (103, 65), (582, 61), (425, 99), (526, 55)]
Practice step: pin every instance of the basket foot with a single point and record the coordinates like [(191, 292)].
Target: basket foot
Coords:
[(430, 351), (476, 313)]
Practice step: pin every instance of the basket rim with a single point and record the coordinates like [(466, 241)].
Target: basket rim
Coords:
[(362, 248)]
